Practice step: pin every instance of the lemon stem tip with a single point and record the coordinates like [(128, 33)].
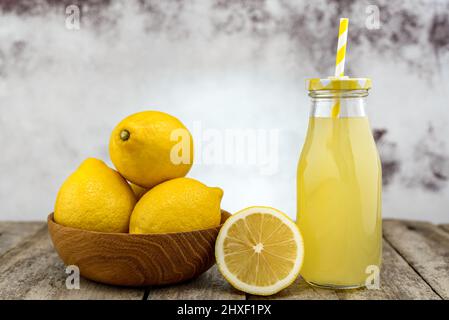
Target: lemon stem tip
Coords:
[(124, 135)]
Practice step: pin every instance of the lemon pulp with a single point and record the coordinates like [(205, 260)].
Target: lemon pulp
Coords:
[(259, 250)]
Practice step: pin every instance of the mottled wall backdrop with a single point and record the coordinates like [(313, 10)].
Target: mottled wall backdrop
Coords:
[(221, 66)]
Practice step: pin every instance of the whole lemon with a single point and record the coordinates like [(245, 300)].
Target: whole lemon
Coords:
[(177, 205), (150, 147), (95, 197)]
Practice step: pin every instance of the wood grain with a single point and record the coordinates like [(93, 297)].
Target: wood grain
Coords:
[(398, 281), (32, 270), (300, 290), (425, 247), (136, 259), (209, 286), (445, 227), (13, 233), (415, 266)]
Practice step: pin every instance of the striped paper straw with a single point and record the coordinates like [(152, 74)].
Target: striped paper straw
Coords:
[(340, 59), (341, 49)]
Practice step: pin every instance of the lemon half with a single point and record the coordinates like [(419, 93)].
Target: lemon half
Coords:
[(259, 250)]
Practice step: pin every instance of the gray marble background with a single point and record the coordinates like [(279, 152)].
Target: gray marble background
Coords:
[(219, 65)]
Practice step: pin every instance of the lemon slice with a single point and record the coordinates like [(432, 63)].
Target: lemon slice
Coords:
[(259, 250)]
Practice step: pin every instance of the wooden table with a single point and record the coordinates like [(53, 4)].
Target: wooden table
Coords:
[(415, 266)]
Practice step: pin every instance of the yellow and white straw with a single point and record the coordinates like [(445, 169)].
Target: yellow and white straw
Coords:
[(340, 60), (341, 48)]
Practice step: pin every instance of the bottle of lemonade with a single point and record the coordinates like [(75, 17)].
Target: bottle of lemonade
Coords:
[(339, 186)]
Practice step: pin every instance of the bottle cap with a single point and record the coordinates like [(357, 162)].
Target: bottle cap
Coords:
[(338, 83)]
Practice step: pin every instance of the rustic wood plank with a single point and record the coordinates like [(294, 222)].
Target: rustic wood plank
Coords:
[(13, 233), (300, 290), (33, 270), (445, 227), (210, 285), (425, 247), (398, 281)]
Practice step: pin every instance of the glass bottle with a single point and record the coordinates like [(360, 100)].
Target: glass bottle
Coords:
[(339, 187)]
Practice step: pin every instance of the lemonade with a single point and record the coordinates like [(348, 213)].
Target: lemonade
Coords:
[(339, 192)]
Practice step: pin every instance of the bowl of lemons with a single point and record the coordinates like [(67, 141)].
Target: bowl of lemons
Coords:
[(144, 222)]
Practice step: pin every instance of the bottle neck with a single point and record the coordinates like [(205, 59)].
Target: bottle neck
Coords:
[(340, 104)]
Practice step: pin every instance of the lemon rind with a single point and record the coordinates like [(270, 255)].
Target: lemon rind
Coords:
[(252, 289)]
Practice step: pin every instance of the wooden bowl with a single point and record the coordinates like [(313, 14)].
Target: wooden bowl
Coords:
[(136, 259)]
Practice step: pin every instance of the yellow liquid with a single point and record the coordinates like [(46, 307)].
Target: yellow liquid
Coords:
[(339, 202)]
